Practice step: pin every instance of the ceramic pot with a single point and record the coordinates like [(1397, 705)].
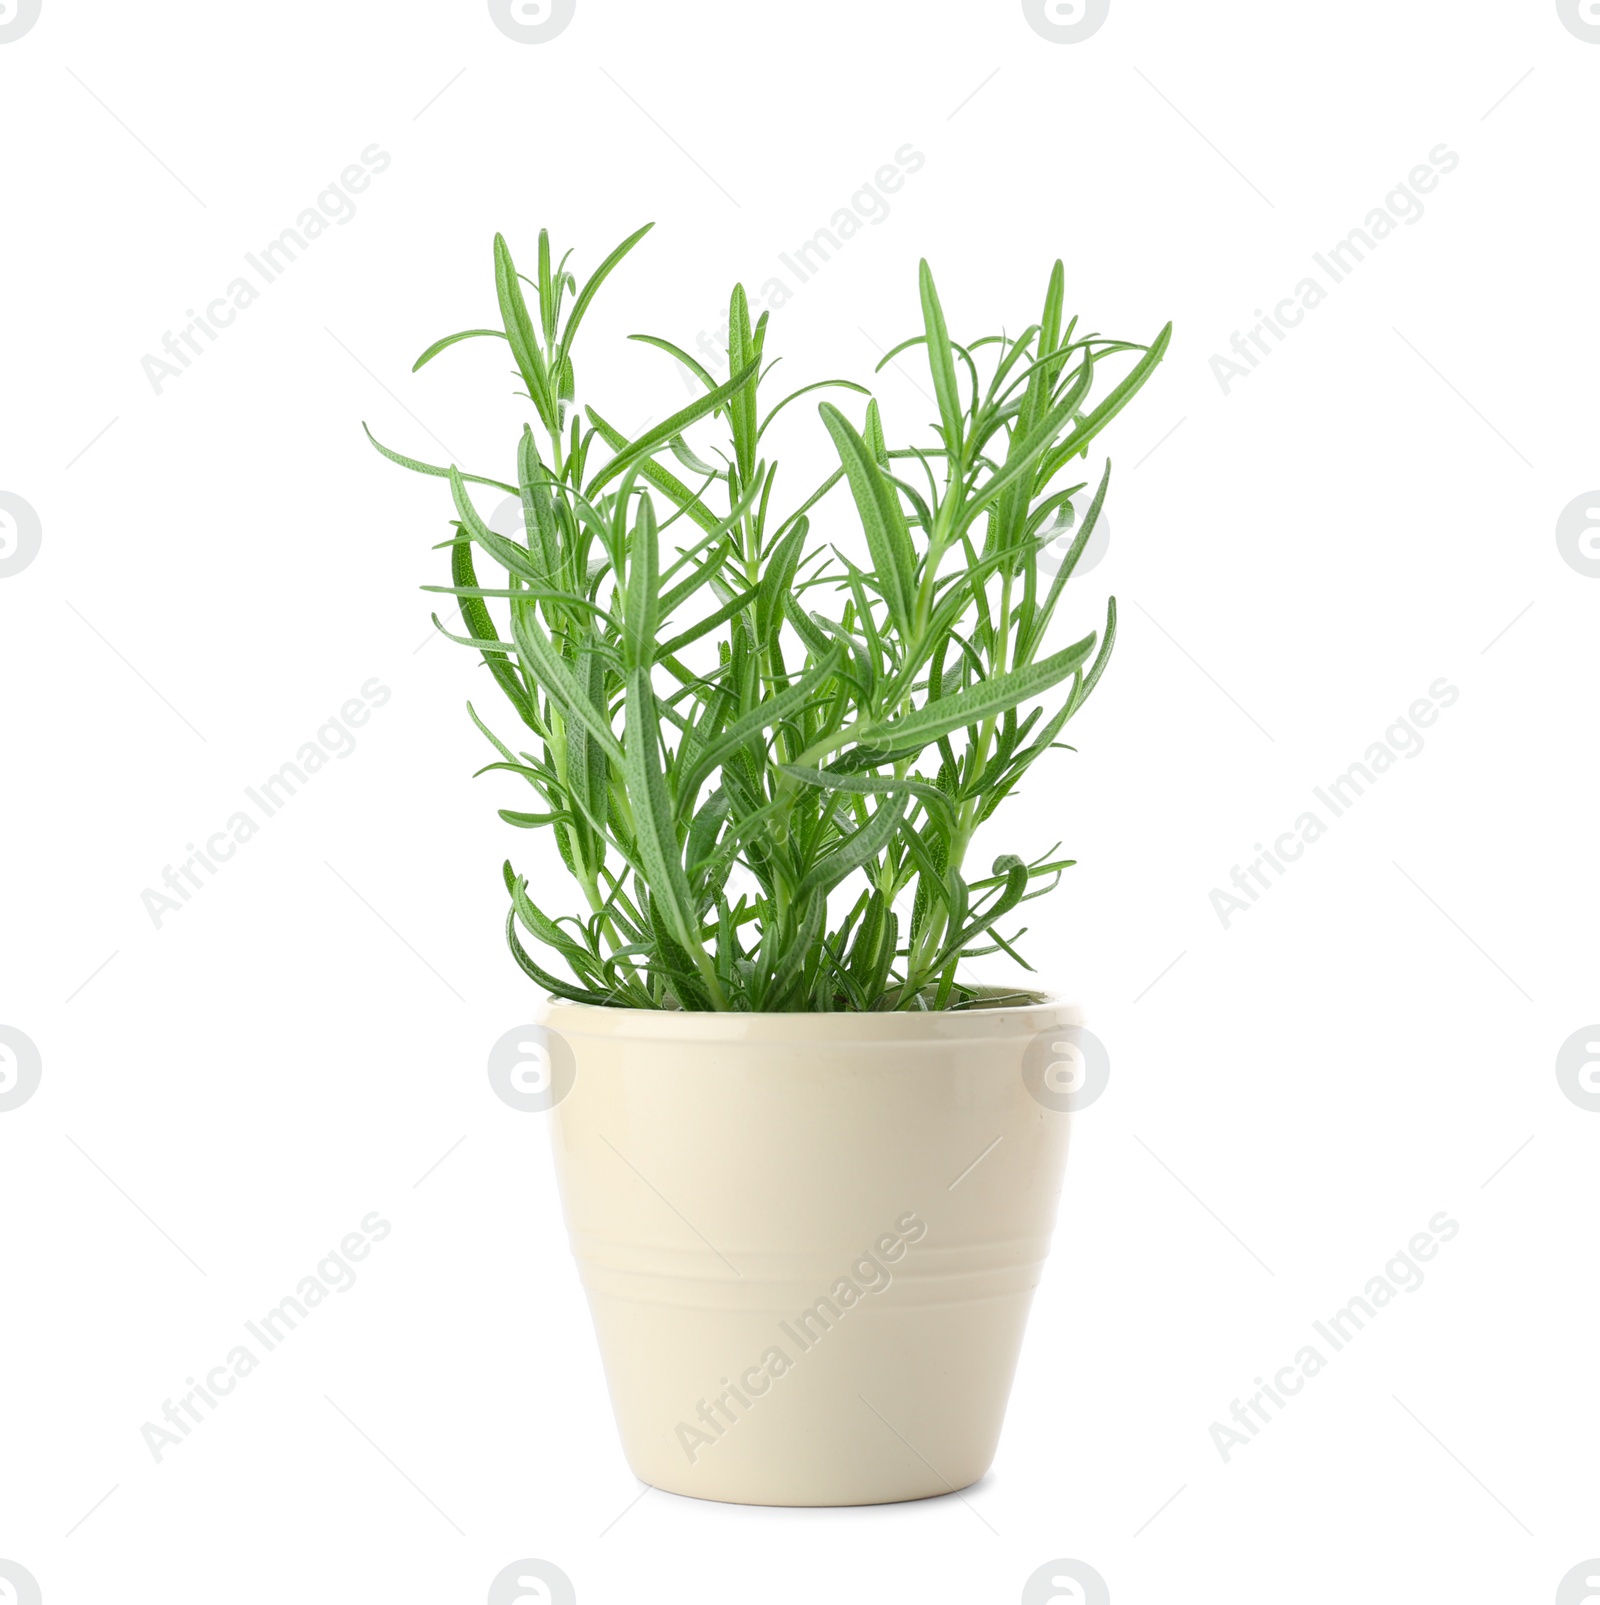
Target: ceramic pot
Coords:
[(810, 1241)]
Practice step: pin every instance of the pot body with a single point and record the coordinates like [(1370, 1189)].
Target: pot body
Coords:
[(809, 1242)]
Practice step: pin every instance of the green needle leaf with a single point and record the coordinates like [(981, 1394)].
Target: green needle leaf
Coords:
[(450, 340), (888, 539), (981, 701)]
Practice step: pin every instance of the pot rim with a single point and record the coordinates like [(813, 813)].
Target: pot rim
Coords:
[(680, 1025)]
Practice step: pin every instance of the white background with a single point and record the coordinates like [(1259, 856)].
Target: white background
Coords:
[(226, 563)]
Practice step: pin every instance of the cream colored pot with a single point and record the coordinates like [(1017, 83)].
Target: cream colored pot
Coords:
[(810, 1241)]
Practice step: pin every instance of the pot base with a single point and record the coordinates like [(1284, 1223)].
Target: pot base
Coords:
[(814, 1504)]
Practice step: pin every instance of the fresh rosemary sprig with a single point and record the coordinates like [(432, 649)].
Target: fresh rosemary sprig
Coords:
[(701, 686)]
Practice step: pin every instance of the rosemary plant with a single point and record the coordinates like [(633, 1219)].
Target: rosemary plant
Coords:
[(703, 685)]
